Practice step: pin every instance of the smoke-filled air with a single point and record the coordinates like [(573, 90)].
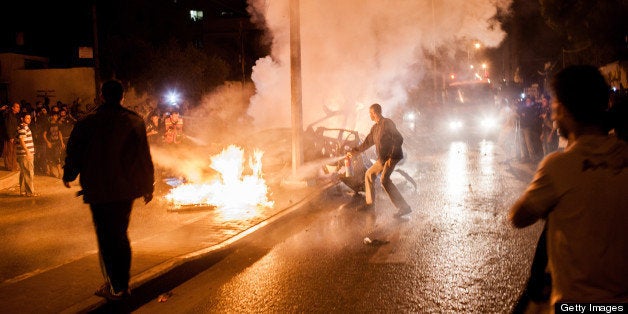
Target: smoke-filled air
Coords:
[(358, 52), (353, 53)]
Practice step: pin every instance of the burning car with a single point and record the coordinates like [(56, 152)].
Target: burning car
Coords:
[(324, 150), (333, 144), (271, 150)]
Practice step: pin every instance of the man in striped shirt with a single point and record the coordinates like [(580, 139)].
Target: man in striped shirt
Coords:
[(25, 152)]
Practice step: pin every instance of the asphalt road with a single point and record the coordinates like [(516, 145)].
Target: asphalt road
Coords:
[(455, 253), (55, 228)]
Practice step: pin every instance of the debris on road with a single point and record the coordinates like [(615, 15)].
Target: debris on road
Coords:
[(164, 297), (374, 242)]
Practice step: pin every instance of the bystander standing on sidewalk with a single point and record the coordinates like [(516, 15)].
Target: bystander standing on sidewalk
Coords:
[(11, 122), (54, 146), (173, 128), (38, 127), (3, 130), (530, 124), (25, 152), (154, 129), (549, 134)]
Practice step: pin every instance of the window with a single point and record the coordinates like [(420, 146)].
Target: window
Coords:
[(196, 15)]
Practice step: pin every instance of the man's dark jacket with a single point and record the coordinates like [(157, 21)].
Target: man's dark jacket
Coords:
[(386, 138), (10, 124), (110, 151), (529, 117)]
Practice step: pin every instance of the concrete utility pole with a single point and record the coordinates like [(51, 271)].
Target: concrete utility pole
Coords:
[(295, 87), (96, 54)]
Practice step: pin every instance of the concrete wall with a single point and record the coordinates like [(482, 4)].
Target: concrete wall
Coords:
[(10, 62), (65, 85)]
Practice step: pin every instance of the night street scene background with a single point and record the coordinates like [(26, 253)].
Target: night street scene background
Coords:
[(256, 208)]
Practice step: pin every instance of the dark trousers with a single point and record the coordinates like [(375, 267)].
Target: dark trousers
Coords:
[(10, 158), (386, 169), (539, 285), (111, 221), (531, 143)]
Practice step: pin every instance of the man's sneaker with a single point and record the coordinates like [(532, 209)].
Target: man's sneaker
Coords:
[(105, 291), (403, 212)]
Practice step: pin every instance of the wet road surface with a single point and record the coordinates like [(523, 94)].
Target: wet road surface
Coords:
[(456, 252)]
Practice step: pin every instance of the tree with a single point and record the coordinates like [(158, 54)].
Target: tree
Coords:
[(594, 31), (531, 43), (150, 45), (187, 69), (544, 36)]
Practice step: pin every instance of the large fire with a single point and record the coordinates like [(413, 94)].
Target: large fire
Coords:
[(232, 189)]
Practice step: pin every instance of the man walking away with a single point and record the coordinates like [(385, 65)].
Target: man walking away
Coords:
[(387, 140), (109, 150)]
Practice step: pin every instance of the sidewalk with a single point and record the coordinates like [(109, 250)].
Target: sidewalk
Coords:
[(159, 262), (8, 178)]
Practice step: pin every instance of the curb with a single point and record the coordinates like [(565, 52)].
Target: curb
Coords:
[(197, 259), (9, 180)]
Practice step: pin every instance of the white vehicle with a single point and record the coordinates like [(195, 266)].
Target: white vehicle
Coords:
[(469, 109)]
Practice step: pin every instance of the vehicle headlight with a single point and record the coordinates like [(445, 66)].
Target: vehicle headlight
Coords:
[(455, 125), (410, 117)]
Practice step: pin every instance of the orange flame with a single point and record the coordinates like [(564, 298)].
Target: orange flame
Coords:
[(232, 189)]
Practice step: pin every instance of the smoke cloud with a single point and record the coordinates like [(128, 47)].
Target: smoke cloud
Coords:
[(354, 53), (358, 52)]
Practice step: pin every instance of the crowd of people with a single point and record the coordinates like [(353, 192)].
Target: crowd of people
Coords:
[(164, 122), (165, 128), (49, 124), (528, 131)]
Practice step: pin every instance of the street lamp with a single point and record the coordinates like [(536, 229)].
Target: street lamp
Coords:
[(172, 98), (477, 46)]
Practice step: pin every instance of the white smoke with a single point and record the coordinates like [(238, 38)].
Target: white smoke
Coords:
[(358, 52)]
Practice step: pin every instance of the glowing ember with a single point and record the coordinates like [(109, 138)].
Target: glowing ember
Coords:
[(232, 189)]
